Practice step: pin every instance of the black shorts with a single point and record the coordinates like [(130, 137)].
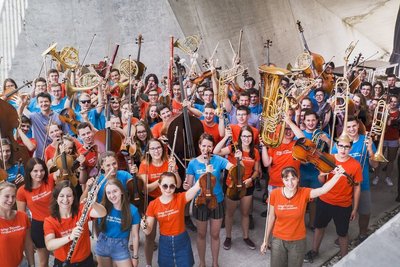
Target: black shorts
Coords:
[(37, 234), (202, 213), (340, 215), (249, 191), (88, 262)]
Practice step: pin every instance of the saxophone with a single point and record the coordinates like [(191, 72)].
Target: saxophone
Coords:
[(91, 198)]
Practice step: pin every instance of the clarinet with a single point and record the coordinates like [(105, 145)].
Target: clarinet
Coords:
[(91, 198)]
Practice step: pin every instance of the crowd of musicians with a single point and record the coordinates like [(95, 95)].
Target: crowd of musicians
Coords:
[(101, 167)]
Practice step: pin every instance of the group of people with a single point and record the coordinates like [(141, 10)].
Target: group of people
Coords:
[(46, 203)]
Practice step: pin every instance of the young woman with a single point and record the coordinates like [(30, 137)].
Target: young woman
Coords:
[(142, 136), (152, 117), (250, 158), (287, 206), (15, 229), (378, 90), (120, 225), (150, 171), (196, 168), (14, 170), (61, 227), (169, 211), (36, 196)]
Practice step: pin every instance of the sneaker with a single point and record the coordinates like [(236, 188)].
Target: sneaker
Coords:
[(310, 256), (189, 224), (337, 243), (227, 243), (264, 213), (361, 238), (389, 181), (375, 180), (251, 222), (249, 243)]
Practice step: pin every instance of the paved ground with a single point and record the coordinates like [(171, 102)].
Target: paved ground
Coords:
[(240, 255)]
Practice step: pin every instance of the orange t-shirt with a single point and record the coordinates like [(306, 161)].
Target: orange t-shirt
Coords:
[(38, 201), (281, 158), (90, 157), (133, 122), (63, 228), (213, 130), (33, 140), (12, 239), (289, 222), (50, 150), (154, 175), (236, 132), (248, 163), (143, 109), (342, 193), (176, 107), (156, 130), (171, 216)]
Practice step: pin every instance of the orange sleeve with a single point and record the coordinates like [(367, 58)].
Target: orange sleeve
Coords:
[(21, 194)]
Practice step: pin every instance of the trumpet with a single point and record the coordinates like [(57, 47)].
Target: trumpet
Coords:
[(68, 58)]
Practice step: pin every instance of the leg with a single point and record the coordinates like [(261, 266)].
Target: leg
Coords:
[(318, 236), (313, 207), (43, 257), (104, 261), (363, 222), (245, 206), (279, 253), (149, 244), (201, 241), (215, 228), (231, 206), (296, 251), (343, 243)]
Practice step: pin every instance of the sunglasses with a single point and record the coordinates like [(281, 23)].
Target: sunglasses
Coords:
[(85, 101), (171, 186)]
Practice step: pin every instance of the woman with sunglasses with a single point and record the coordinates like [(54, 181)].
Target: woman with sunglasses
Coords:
[(15, 229), (169, 211), (36, 196), (196, 168), (250, 158), (60, 228), (154, 164), (285, 220), (120, 225)]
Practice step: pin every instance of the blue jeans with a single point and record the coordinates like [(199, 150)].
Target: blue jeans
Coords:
[(114, 248)]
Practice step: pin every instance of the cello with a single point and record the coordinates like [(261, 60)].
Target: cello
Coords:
[(306, 151)]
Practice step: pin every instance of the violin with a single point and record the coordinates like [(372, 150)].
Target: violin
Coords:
[(207, 182), (236, 190), (68, 116), (205, 75), (306, 151), (64, 164), (135, 186)]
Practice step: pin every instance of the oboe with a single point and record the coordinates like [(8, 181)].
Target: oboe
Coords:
[(91, 198)]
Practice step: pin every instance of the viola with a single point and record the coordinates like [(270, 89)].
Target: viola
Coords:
[(135, 186), (306, 151), (236, 190), (64, 163), (207, 183), (68, 116)]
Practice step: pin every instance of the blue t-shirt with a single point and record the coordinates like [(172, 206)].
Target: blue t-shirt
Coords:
[(60, 106), (114, 220), (95, 118), (122, 176), (197, 168), (33, 105), (13, 171), (359, 152), (257, 109)]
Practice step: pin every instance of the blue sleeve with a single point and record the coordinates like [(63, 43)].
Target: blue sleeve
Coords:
[(334, 149), (190, 168), (135, 215)]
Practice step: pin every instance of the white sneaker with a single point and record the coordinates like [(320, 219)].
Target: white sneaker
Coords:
[(375, 180), (389, 181)]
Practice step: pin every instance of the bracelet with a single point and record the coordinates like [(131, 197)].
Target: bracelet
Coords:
[(135, 257)]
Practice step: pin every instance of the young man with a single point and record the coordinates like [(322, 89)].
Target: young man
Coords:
[(391, 83), (209, 124), (40, 86), (22, 135), (363, 151), (242, 115), (244, 100), (255, 105), (86, 134), (88, 114), (340, 203), (52, 77), (58, 103), (165, 114), (153, 99)]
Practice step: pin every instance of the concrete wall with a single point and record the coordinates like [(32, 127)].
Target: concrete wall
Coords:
[(74, 22)]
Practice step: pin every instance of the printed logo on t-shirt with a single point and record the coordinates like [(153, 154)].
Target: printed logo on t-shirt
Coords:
[(162, 214), (287, 207), (284, 152), (11, 229), (113, 219), (41, 195)]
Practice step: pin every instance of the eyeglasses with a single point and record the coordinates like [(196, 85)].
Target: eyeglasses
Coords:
[(155, 148), (141, 132), (344, 147), (170, 186), (85, 101), (153, 95)]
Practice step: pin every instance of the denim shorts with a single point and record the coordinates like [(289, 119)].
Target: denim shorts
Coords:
[(114, 248)]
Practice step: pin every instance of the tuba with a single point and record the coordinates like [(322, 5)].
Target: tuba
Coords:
[(275, 104), (68, 58)]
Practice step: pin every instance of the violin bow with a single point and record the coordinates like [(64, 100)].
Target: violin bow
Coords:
[(266, 222)]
